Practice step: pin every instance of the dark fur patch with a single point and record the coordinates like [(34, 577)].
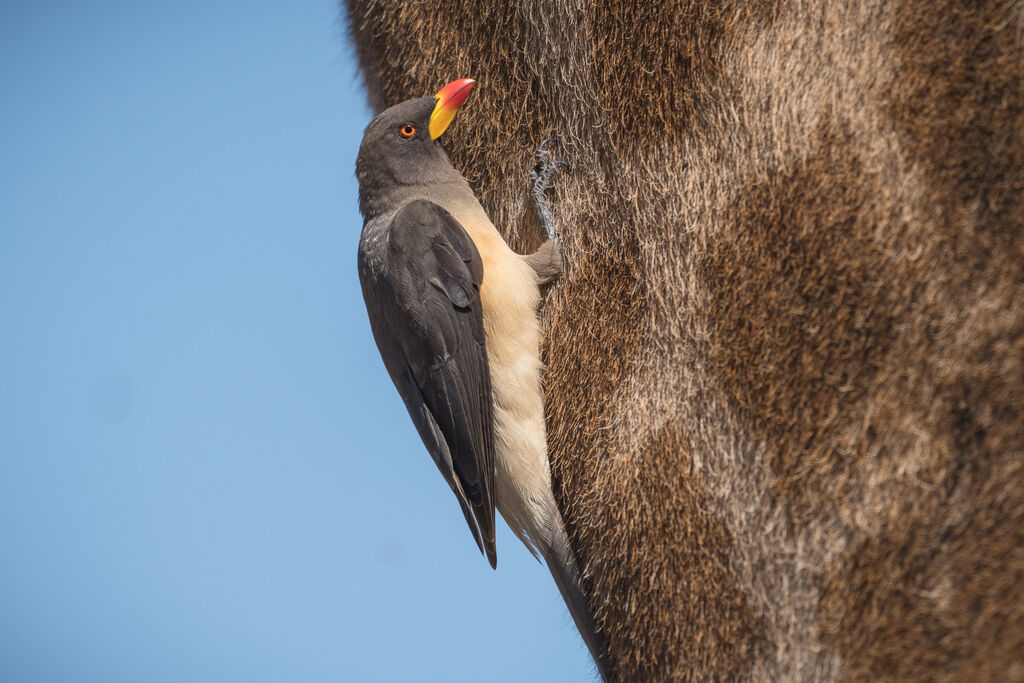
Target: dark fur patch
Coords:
[(685, 584), (605, 297), (659, 64), (803, 302), (936, 594), (957, 96)]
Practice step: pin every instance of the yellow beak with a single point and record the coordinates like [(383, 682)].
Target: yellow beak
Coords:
[(449, 99)]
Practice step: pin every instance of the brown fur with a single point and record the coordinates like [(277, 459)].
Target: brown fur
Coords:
[(786, 359)]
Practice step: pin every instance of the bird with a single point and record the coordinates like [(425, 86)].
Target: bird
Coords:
[(453, 311)]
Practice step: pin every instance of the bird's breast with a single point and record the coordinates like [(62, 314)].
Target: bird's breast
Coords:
[(509, 289), (509, 298)]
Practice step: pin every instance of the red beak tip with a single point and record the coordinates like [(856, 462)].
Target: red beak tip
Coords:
[(456, 92)]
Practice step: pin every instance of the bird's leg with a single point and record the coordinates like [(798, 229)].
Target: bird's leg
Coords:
[(547, 260), (541, 175)]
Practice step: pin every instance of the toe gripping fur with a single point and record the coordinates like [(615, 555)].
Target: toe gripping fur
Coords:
[(541, 175)]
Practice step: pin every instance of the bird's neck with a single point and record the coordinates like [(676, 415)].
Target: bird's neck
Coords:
[(446, 190)]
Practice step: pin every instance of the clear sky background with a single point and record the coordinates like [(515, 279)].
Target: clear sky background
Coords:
[(205, 473)]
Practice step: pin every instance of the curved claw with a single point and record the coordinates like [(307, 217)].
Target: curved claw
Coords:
[(545, 167)]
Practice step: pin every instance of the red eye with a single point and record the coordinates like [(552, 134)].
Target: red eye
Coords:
[(407, 131)]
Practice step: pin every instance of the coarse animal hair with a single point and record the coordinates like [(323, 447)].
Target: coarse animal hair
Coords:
[(785, 385)]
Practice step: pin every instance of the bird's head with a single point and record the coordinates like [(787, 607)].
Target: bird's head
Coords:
[(400, 147)]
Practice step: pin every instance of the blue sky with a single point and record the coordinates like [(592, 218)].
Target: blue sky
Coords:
[(205, 474)]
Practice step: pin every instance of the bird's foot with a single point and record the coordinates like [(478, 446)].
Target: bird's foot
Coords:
[(541, 175)]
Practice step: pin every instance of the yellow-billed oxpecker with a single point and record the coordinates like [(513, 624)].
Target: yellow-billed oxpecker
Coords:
[(454, 313)]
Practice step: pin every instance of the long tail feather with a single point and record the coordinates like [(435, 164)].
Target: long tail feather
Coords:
[(565, 570)]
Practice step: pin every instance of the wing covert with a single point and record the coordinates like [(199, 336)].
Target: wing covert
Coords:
[(423, 300)]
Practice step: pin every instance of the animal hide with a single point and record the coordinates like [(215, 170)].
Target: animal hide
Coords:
[(785, 384)]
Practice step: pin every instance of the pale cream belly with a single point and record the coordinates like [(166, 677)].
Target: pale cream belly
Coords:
[(510, 296)]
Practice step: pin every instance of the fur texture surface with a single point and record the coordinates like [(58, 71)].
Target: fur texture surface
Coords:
[(785, 386)]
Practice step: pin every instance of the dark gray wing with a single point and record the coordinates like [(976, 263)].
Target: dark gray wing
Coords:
[(421, 289)]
